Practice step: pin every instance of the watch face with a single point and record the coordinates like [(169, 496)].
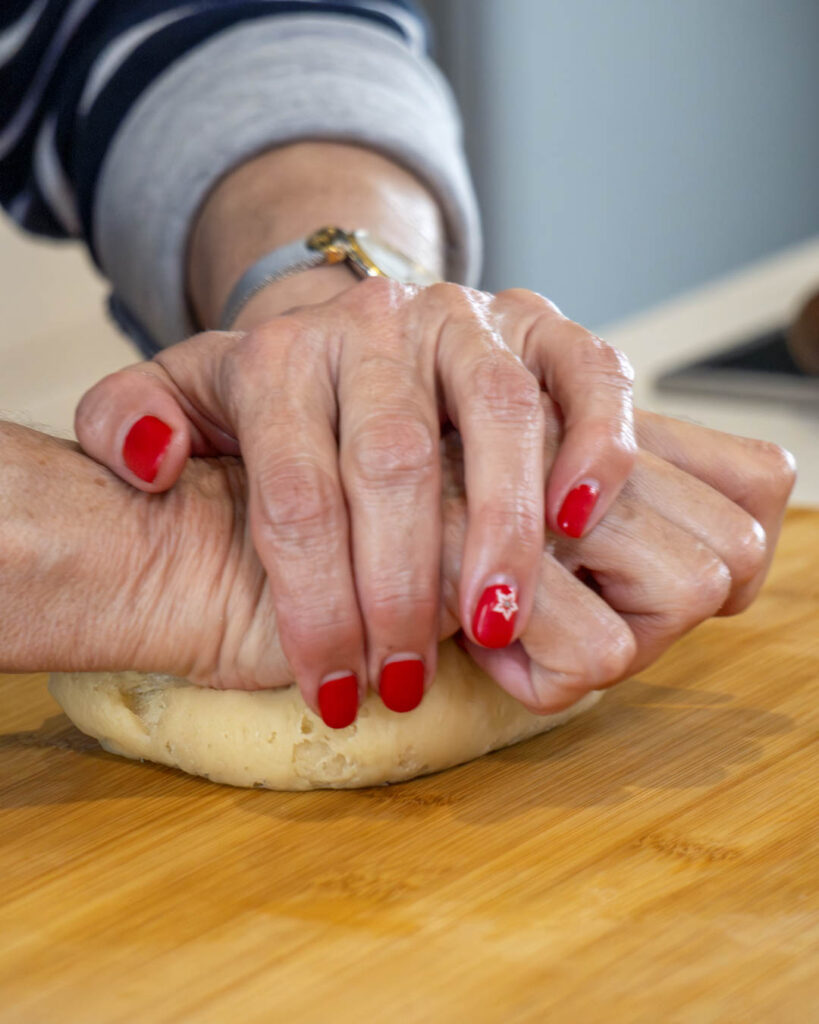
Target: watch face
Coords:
[(392, 263)]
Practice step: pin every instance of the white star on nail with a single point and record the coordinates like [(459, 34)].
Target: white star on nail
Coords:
[(506, 604)]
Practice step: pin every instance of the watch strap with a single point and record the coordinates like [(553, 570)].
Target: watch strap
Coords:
[(282, 262)]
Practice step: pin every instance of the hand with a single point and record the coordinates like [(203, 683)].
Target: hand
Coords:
[(692, 535), (336, 409), (104, 577)]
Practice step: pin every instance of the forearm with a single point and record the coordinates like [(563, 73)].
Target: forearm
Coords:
[(284, 195), (92, 572), (42, 593)]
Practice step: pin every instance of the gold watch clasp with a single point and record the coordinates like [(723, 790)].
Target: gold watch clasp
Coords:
[(333, 242)]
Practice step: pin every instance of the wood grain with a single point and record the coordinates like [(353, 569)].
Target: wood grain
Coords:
[(657, 860)]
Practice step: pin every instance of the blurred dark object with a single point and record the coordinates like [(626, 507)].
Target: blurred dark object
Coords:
[(803, 337), (781, 365)]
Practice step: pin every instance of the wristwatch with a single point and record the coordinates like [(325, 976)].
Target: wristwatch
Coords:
[(367, 256)]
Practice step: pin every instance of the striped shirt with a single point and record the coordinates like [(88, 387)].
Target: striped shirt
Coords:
[(90, 88), (69, 71)]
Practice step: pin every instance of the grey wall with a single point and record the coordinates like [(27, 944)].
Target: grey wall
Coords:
[(625, 150)]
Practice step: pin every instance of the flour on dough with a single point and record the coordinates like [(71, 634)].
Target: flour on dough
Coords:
[(270, 738)]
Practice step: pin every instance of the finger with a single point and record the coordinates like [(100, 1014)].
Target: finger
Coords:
[(574, 641), (494, 402), (297, 512), (391, 476), (734, 536), (756, 475), (144, 421), (131, 422), (591, 382), (658, 577)]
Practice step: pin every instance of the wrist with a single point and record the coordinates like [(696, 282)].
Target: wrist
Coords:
[(286, 194), (306, 288)]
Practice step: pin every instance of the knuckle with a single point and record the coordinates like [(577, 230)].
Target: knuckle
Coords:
[(606, 363), (247, 358), (611, 439), (518, 520), (315, 633), (387, 608), (501, 387), (380, 293), (299, 500), (602, 662), (613, 657), (622, 366), (768, 476), (447, 292), (529, 300), (92, 413), (279, 359), (252, 348), (256, 349), (705, 587), (749, 551), (458, 302), (780, 468), (623, 447), (386, 449)]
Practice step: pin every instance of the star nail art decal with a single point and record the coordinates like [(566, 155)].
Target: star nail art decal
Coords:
[(506, 604)]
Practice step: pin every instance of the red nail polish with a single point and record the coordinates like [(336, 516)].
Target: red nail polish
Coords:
[(576, 509), (146, 443), (338, 700), (494, 621), (402, 684)]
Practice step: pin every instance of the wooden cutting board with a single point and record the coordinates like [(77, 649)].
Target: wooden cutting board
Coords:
[(657, 860)]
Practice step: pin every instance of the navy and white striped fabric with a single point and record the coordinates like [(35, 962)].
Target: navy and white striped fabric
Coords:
[(70, 70)]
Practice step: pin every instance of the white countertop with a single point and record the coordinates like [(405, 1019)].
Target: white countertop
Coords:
[(763, 295), (55, 341)]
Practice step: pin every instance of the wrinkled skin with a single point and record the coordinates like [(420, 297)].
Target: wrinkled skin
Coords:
[(115, 578)]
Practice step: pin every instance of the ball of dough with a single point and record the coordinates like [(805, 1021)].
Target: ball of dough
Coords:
[(270, 738)]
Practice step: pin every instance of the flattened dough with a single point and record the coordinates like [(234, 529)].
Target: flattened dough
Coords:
[(270, 738)]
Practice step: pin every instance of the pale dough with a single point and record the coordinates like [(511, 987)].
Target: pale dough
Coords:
[(270, 738)]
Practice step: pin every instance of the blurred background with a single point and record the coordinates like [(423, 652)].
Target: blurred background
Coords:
[(651, 165), (626, 150)]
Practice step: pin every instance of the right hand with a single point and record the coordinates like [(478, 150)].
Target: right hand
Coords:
[(692, 535)]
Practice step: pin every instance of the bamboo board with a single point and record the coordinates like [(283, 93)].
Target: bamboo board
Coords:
[(656, 860)]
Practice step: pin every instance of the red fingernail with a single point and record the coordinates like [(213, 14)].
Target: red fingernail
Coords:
[(494, 621), (146, 443), (402, 683), (338, 699), (576, 509)]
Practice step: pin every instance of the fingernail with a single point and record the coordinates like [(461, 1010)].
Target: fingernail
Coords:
[(338, 699), (576, 509), (494, 621), (402, 682), (146, 443)]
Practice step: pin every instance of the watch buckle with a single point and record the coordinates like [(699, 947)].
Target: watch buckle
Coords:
[(332, 242)]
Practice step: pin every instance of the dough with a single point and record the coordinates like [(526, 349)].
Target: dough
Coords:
[(270, 738)]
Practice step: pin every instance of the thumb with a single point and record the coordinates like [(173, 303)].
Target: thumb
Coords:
[(143, 422), (131, 423)]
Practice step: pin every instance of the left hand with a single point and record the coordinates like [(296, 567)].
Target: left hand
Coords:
[(336, 409)]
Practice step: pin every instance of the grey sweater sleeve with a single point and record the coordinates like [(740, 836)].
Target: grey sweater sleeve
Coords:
[(251, 87)]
